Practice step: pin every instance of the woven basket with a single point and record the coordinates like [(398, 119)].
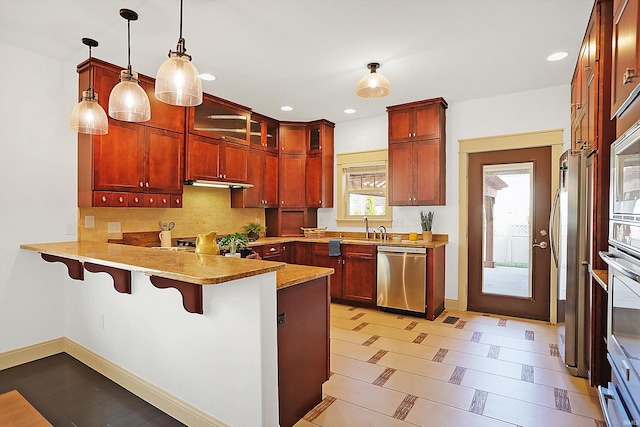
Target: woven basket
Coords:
[(313, 232)]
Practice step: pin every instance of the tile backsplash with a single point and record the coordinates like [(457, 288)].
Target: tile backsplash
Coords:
[(203, 210)]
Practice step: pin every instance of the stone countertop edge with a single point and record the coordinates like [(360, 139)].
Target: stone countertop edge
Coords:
[(294, 274), (350, 241), (182, 266)]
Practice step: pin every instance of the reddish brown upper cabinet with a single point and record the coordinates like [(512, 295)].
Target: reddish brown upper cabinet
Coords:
[(417, 153), (212, 159), (220, 119), (135, 164), (293, 138), (291, 181), (625, 72), (262, 173), (263, 133), (319, 178)]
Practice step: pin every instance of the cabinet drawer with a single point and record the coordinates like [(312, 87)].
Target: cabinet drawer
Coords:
[(119, 200), (362, 251), (101, 199), (271, 249)]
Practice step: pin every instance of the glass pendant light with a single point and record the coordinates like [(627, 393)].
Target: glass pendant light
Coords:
[(178, 81), (88, 116), (373, 85), (128, 101)]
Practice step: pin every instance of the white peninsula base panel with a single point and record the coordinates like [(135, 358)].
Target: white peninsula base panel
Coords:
[(223, 362)]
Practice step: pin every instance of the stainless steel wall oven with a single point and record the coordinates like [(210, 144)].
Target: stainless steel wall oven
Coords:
[(621, 399)]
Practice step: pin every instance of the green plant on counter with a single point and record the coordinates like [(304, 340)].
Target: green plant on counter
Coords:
[(253, 230), (426, 220), (233, 242)]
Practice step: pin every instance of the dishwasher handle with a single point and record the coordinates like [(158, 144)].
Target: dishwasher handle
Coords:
[(402, 250)]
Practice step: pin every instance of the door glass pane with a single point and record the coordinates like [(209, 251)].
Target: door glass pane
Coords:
[(507, 229)]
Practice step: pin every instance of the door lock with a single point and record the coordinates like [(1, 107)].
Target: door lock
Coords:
[(541, 245)]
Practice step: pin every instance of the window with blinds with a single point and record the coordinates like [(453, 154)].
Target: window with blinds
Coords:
[(366, 192), (362, 188)]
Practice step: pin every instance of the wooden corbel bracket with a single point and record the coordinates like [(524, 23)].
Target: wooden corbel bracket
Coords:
[(73, 266), (121, 278), (191, 293)]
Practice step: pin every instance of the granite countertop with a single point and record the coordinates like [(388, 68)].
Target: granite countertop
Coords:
[(356, 240), (177, 265)]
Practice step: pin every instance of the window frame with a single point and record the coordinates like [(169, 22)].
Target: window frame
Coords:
[(357, 159)]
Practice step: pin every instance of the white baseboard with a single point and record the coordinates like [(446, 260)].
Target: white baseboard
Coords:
[(16, 357), (166, 402)]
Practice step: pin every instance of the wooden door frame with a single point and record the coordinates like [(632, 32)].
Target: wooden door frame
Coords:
[(546, 138)]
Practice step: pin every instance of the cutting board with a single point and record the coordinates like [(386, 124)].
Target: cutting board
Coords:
[(139, 238)]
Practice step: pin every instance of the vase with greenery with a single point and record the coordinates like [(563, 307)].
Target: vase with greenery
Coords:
[(253, 230), (233, 242), (426, 220)]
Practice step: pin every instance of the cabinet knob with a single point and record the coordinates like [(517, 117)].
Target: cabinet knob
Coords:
[(282, 202), (164, 201), (120, 200), (177, 201), (147, 185), (272, 250), (141, 184), (225, 176), (136, 200), (151, 199), (104, 198)]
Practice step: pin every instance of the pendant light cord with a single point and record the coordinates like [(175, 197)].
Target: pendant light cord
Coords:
[(180, 18), (93, 93), (129, 49)]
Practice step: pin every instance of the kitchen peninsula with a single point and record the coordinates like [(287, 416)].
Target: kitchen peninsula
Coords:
[(223, 359)]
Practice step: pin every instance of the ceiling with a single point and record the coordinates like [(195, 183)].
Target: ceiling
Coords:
[(310, 54)]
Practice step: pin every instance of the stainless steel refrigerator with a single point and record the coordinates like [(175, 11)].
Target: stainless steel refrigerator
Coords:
[(569, 230)]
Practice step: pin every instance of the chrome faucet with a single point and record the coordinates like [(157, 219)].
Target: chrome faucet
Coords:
[(366, 227), (383, 232)]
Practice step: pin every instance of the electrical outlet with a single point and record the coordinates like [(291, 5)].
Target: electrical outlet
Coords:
[(89, 221), (113, 227), (71, 229)]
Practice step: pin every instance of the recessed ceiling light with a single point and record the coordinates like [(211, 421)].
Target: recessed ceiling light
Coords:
[(208, 77), (557, 56), (349, 111), (286, 108)]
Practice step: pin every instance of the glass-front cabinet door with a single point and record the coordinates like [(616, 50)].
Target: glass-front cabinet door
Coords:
[(220, 119)]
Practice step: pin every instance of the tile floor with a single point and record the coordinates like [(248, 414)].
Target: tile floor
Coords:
[(478, 370)]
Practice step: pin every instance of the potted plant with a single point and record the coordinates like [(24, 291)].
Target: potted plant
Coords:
[(233, 242), (253, 230), (426, 220)]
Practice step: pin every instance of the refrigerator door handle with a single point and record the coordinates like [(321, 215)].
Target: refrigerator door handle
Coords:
[(552, 226)]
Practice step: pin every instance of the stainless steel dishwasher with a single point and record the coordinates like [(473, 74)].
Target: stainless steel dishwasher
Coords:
[(402, 278)]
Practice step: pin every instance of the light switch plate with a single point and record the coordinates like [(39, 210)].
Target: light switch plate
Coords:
[(113, 227), (89, 221)]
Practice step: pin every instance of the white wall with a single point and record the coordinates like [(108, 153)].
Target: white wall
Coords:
[(224, 361), (37, 191), (515, 113)]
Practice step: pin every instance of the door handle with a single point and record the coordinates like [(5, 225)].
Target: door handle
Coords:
[(541, 245)]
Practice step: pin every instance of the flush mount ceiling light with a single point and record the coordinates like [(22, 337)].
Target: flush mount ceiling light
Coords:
[(88, 116), (178, 81), (557, 56), (373, 85), (128, 101)]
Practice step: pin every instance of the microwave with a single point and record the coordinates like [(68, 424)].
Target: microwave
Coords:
[(625, 175)]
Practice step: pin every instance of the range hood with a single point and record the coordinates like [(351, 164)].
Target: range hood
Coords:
[(217, 184)]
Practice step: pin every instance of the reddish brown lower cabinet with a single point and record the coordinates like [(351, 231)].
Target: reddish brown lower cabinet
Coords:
[(359, 274), (355, 277), (303, 348), (320, 258), (303, 253)]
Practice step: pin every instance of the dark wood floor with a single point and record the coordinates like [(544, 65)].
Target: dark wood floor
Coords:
[(68, 393)]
